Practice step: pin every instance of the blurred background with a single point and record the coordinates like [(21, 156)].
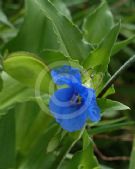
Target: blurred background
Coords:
[(114, 147)]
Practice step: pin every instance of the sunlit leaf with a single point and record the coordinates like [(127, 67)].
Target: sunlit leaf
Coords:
[(29, 70)]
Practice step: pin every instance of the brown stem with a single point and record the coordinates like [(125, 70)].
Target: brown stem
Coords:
[(106, 158)]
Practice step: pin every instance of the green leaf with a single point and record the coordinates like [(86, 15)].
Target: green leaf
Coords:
[(99, 79), (98, 23), (28, 69), (54, 58), (37, 39), (107, 105), (38, 152), (7, 141), (132, 159), (85, 158), (1, 69), (100, 57), (110, 127), (54, 143), (106, 122), (4, 19), (37, 156), (69, 36), (1, 83), (13, 92), (67, 143), (36, 122), (75, 2), (61, 6), (52, 31), (88, 158), (105, 167), (120, 45)]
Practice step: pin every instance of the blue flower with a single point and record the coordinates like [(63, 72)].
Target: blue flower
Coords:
[(66, 75), (73, 105)]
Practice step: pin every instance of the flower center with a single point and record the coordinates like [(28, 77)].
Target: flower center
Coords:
[(76, 99)]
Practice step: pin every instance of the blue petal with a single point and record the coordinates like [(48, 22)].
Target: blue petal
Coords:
[(83, 91), (60, 104), (94, 113), (60, 101), (72, 117), (89, 102), (66, 114), (66, 75), (93, 110), (73, 124)]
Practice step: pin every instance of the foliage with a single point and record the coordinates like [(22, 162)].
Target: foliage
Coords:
[(39, 35)]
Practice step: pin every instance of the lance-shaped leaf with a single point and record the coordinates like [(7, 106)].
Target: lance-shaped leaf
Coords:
[(69, 36), (110, 127), (61, 6), (36, 32), (120, 45), (29, 70), (52, 30), (100, 57), (107, 105), (4, 19), (98, 23)]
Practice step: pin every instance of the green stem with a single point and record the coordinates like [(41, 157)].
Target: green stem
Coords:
[(116, 75)]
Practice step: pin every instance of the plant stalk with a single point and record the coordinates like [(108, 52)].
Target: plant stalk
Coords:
[(127, 64)]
